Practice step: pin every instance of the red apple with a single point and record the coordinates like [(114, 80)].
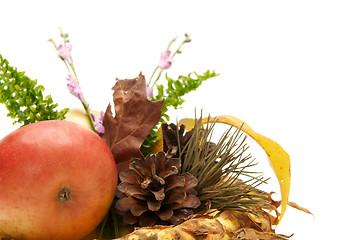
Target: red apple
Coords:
[(57, 181)]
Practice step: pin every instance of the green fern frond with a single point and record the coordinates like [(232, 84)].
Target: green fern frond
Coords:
[(24, 98)]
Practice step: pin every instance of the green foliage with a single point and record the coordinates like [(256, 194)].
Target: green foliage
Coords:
[(149, 141), (172, 95), (176, 89), (24, 98)]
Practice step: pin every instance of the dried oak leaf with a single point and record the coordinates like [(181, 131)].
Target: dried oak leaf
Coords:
[(135, 116)]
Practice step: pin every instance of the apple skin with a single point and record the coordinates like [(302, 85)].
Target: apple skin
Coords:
[(57, 181)]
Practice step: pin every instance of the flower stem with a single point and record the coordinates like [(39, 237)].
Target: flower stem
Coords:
[(180, 46), (156, 80), (186, 40), (153, 74), (66, 65), (169, 45), (87, 110), (84, 103), (72, 69)]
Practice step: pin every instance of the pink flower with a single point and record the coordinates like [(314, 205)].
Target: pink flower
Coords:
[(99, 122), (149, 91), (64, 52), (74, 87), (165, 60)]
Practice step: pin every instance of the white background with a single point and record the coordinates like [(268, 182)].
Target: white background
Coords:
[(290, 69)]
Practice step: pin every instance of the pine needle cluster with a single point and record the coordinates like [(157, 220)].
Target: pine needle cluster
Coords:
[(220, 168)]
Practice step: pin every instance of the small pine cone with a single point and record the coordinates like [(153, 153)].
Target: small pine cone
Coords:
[(174, 138), (152, 192)]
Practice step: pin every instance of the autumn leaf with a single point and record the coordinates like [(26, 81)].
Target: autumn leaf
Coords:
[(224, 225), (250, 233), (298, 207), (279, 159), (135, 116)]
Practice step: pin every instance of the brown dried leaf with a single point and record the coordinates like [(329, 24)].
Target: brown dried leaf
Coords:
[(298, 207), (225, 225), (135, 116), (252, 234)]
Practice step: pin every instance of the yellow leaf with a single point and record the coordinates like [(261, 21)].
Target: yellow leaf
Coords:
[(78, 115), (279, 159), (188, 123), (298, 207), (158, 146)]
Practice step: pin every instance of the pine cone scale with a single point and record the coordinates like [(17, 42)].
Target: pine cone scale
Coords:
[(133, 191), (180, 215), (129, 218), (159, 195), (173, 164), (168, 172), (154, 205), (165, 213), (174, 181), (140, 168), (148, 219), (135, 206), (128, 177), (160, 161), (175, 195), (191, 181), (191, 201)]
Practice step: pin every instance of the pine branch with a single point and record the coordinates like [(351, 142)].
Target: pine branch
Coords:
[(219, 171)]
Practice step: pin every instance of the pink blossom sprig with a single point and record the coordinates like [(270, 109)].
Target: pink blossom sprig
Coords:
[(166, 59), (149, 91), (64, 53), (74, 87), (99, 122)]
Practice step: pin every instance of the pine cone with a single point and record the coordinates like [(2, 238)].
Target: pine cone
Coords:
[(171, 133), (175, 139), (152, 192)]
